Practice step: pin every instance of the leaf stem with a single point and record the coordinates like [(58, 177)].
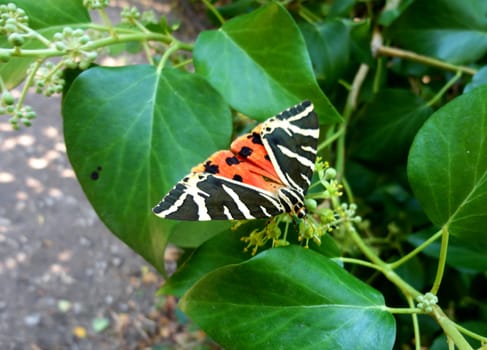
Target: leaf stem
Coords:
[(441, 260), (329, 140), (416, 251), (450, 328), (414, 317), (170, 50), (54, 70), (44, 53), (412, 56), (104, 16), (444, 89), (471, 334), (307, 15), (350, 106), (28, 83), (286, 230), (406, 288), (359, 262), (34, 34), (214, 11), (403, 310), (348, 190)]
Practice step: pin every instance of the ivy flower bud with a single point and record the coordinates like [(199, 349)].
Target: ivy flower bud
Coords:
[(7, 99), (330, 173), (16, 39)]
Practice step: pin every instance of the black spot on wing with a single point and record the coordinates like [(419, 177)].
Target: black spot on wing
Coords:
[(237, 177), (256, 139), (245, 152), (211, 168), (232, 160)]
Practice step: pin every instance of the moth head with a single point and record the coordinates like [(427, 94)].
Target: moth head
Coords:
[(300, 210)]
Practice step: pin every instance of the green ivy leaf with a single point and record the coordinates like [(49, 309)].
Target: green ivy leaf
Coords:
[(223, 249), (479, 79), (49, 13), (447, 166), (387, 126), (289, 298), (235, 8), (131, 134), (47, 17), (451, 30), (392, 11), (329, 48), (341, 8), (259, 63)]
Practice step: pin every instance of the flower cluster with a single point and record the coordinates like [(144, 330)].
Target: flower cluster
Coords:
[(11, 17), (327, 176), (96, 4), (48, 80), (13, 23), (130, 15), (258, 238), (73, 42), (327, 216), (24, 115), (426, 302)]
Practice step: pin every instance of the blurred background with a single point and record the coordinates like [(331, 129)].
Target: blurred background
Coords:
[(66, 281)]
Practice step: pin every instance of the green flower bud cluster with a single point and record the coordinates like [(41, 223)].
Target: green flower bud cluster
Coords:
[(12, 21), (22, 116), (10, 17), (130, 15), (148, 17), (327, 177), (72, 43), (349, 211), (7, 102), (426, 302), (96, 4), (48, 80)]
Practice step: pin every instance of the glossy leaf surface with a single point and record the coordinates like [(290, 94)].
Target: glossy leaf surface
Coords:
[(452, 30), (131, 134), (447, 166), (260, 64), (289, 298), (387, 126)]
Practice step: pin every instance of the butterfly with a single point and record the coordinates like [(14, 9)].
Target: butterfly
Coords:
[(265, 173)]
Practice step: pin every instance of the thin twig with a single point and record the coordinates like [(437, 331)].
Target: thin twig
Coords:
[(412, 56)]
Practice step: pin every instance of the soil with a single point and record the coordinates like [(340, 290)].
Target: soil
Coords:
[(66, 281)]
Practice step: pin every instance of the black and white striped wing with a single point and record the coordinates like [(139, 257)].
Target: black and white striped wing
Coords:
[(291, 140), (203, 196)]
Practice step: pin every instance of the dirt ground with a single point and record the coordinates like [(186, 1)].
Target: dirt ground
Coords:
[(66, 281)]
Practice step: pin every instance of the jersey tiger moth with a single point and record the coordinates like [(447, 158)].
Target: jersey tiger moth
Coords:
[(266, 172)]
